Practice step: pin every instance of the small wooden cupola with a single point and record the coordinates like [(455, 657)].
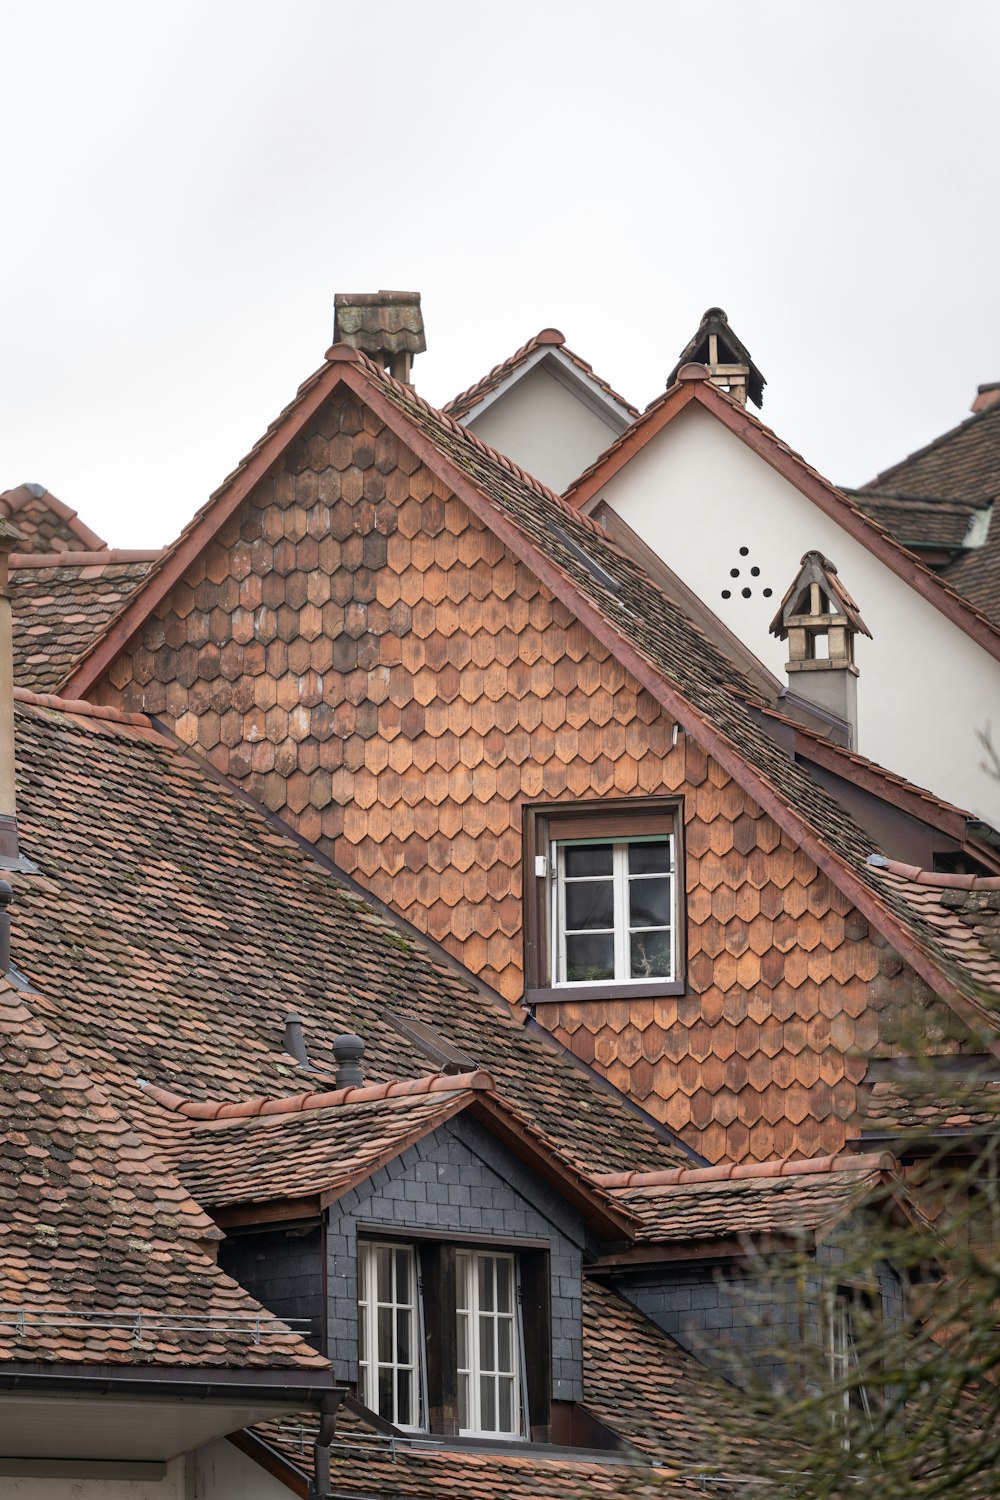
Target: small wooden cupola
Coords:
[(726, 358), (387, 326), (820, 620)]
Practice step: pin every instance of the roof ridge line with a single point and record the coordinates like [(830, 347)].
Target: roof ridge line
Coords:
[(365, 1093), (82, 559), (812, 1166), (80, 706), (941, 879), (465, 400), (930, 447), (493, 454)]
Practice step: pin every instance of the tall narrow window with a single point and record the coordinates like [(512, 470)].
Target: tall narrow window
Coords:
[(614, 911), (387, 1327), (488, 1351)]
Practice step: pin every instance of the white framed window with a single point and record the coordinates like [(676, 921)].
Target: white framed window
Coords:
[(388, 1326), (614, 910), (489, 1359)]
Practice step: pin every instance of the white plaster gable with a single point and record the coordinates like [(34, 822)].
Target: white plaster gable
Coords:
[(549, 417), (697, 495)]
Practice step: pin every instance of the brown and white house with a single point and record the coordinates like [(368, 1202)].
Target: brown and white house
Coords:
[(470, 935)]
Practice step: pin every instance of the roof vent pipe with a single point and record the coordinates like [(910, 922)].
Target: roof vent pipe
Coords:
[(6, 891), (348, 1051), (295, 1042)]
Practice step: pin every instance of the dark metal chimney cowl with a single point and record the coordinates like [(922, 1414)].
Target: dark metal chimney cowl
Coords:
[(348, 1050)]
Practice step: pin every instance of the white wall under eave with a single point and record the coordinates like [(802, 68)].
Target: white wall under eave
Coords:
[(544, 427), (697, 494), (218, 1471)]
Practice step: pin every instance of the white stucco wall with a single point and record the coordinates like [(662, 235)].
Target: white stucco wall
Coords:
[(545, 428), (697, 495), (172, 1487), (218, 1471)]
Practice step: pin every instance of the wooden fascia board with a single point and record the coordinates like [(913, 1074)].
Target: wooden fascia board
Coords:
[(829, 500), (142, 603), (831, 758), (275, 1211), (632, 441), (710, 739)]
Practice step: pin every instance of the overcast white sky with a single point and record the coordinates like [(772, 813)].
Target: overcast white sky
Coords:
[(185, 187)]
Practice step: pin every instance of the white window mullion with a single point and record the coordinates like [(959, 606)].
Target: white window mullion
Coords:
[(620, 867)]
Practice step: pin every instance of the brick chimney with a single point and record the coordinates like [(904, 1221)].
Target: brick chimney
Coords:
[(820, 620), (387, 326), (986, 396), (727, 359), (9, 539)]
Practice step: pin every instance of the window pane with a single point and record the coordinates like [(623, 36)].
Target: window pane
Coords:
[(385, 1394), (649, 859), (463, 1401), (463, 1341), (462, 1278), (384, 1334), (485, 1282), (403, 1336), (649, 902), (505, 1285), (487, 1348), (587, 859), (402, 1275), (383, 1273), (590, 904), (650, 952), (487, 1404), (404, 1414), (590, 957), (506, 1413), (504, 1345)]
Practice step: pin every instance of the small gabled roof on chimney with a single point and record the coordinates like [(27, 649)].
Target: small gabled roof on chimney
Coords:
[(379, 323), (817, 569), (729, 351)]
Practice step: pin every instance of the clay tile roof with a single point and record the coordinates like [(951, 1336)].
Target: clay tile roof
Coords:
[(927, 1106), (461, 405), (963, 912), (693, 678), (764, 1198), (62, 603), (102, 1252), (203, 923), (46, 524), (961, 467), (322, 1149), (686, 1433), (379, 322), (937, 524)]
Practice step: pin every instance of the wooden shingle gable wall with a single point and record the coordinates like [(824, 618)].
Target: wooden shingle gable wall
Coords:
[(365, 656)]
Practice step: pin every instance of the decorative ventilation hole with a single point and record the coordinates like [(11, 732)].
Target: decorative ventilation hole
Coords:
[(740, 575)]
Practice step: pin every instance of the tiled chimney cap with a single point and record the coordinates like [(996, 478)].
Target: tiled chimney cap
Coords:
[(379, 323)]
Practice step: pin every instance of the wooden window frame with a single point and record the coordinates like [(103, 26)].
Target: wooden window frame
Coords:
[(618, 818)]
